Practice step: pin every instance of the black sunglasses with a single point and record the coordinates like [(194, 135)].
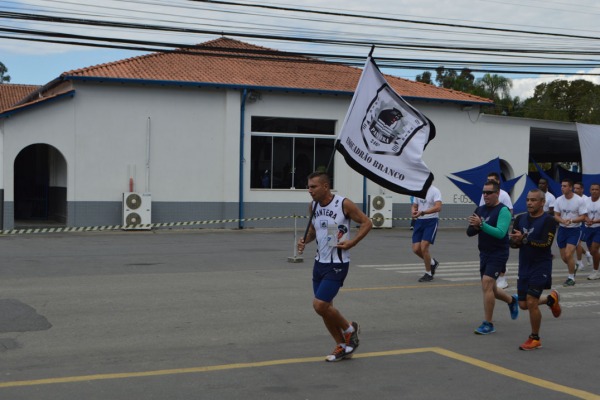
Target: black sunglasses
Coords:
[(488, 192)]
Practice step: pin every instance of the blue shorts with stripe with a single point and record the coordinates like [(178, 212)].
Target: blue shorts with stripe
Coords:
[(425, 229)]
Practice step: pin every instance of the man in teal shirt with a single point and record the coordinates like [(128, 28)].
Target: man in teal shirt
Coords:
[(491, 222)]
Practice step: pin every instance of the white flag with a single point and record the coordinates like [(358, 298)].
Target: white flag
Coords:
[(383, 137)]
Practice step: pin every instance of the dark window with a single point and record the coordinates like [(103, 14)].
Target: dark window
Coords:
[(284, 161)]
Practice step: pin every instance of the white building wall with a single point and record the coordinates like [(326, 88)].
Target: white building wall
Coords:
[(52, 124), (194, 133), (1, 156), (186, 133)]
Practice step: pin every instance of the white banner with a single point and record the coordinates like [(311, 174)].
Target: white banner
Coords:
[(383, 137), (589, 143)]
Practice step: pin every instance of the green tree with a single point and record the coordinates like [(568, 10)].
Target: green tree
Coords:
[(495, 86), (3, 77), (450, 79), (425, 77), (562, 100)]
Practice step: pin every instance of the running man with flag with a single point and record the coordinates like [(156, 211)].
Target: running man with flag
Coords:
[(330, 228)]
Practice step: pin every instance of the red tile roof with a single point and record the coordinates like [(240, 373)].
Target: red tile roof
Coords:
[(10, 94), (232, 62)]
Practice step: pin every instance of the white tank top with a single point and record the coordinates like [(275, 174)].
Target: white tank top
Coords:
[(331, 227)]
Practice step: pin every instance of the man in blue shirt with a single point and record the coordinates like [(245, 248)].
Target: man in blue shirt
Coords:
[(533, 233)]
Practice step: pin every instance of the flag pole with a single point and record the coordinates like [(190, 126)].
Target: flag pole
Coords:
[(337, 140), (312, 214)]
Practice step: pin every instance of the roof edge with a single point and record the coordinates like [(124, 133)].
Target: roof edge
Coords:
[(26, 106), (254, 87)]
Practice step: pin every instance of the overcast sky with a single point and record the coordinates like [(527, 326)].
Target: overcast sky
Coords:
[(31, 62)]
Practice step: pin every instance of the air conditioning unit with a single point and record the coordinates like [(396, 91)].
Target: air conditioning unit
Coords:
[(380, 211), (137, 210)]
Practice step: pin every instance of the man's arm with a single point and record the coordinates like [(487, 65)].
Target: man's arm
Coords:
[(474, 224), (437, 207), (356, 215), (500, 230), (414, 210)]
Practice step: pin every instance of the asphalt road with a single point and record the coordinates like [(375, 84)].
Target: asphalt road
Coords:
[(206, 314)]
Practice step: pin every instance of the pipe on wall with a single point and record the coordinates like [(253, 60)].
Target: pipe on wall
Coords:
[(241, 171)]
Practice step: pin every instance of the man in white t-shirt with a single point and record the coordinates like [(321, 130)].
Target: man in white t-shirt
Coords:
[(425, 212), (578, 188), (550, 199), (593, 228), (569, 212), (503, 198)]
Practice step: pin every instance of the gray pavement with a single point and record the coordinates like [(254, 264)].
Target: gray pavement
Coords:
[(222, 314)]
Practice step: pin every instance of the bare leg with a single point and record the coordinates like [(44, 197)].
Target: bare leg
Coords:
[(422, 250), (333, 319), (535, 315), (566, 253)]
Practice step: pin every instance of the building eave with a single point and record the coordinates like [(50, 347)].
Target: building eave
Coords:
[(35, 103)]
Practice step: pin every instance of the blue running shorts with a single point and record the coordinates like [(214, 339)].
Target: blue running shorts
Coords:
[(425, 229), (593, 236), (567, 236), (494, 264), (328, 278)]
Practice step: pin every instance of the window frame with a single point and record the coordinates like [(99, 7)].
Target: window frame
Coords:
[(293, 136)]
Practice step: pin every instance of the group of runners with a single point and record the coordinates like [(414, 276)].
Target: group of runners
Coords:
[(570, 218)]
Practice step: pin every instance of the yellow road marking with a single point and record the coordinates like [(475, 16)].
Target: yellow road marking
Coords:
[(426, 286), (517, 375), (437, 350)]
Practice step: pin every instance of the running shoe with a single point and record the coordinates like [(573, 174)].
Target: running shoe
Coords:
[(514, 307), (485, 328), (351, 339), (588, 258), (569, 282), (426, 278), (434, 266), (531, 344), (579, 267), (555, 307), (594, 275), (338, 354)]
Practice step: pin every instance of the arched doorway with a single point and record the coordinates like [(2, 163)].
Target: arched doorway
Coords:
[(40, 186)]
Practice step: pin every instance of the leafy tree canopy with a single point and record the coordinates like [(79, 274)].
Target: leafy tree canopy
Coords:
[(3, 71), (560, 100)]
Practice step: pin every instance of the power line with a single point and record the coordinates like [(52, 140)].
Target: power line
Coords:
[(559, 57)]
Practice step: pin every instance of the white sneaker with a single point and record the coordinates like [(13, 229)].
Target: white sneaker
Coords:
[(579, 266), (594, 275), (502, 283), (588, 258)]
